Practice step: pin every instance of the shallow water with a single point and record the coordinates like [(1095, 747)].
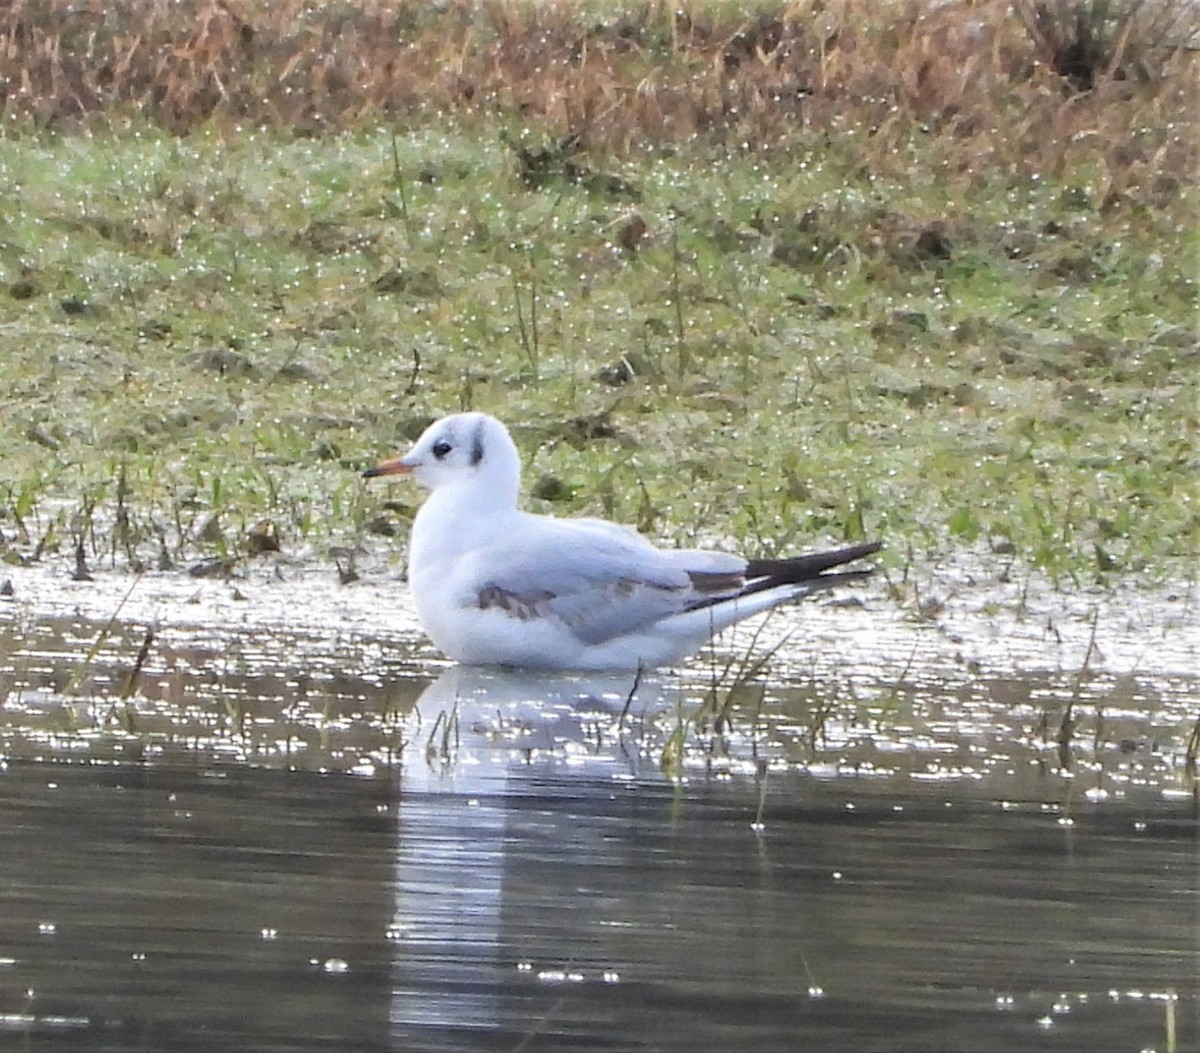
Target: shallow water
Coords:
[(297, 829)]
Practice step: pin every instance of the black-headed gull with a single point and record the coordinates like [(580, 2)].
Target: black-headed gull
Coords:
[(497, 586)]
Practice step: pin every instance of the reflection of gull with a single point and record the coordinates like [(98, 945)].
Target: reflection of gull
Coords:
[(497, 586), (481, 740), (474, 724)]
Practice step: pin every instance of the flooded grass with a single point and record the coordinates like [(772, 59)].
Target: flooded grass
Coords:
[(1063, 704)]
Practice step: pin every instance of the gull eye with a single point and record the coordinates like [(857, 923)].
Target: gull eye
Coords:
[(441, 448)]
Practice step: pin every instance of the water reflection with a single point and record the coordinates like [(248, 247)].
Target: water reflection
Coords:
[(486, 735), (572, 900), (279, 842)]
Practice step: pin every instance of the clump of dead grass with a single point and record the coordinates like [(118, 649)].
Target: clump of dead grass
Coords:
[(1085, 41), (991, 86)]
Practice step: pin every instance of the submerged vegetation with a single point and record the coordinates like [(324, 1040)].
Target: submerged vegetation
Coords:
[(823, 270)]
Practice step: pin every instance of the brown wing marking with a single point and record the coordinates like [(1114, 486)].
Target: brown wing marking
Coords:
[(523, 608), (705, 581)]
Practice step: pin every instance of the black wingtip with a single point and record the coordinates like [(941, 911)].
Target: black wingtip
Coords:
[(804, 568)]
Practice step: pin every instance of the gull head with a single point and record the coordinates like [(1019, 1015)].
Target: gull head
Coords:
[(464, 449)]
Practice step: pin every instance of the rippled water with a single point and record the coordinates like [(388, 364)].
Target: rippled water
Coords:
[(295, 828)]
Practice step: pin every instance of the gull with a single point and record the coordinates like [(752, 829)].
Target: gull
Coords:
[(497, 586)]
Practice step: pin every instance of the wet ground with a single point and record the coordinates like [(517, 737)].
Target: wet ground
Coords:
[(291, 826)]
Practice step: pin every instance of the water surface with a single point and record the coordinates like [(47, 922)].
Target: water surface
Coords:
[(296, 828)]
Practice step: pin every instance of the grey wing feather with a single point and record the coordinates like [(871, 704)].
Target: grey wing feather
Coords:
[(605, 611), (600, 583)]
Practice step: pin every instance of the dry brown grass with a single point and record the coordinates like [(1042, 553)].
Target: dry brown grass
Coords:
[(971, 73)]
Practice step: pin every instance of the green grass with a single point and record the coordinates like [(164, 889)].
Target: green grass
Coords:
[(202, 332)]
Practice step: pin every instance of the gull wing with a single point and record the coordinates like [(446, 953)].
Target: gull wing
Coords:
[(595, 579), (599, 581)]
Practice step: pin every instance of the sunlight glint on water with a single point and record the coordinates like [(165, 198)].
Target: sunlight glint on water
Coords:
[(866, 841)]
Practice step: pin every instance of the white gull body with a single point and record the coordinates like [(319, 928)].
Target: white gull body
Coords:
[(494, 585)]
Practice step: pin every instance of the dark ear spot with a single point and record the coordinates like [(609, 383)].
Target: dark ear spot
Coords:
[(477, 444)]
